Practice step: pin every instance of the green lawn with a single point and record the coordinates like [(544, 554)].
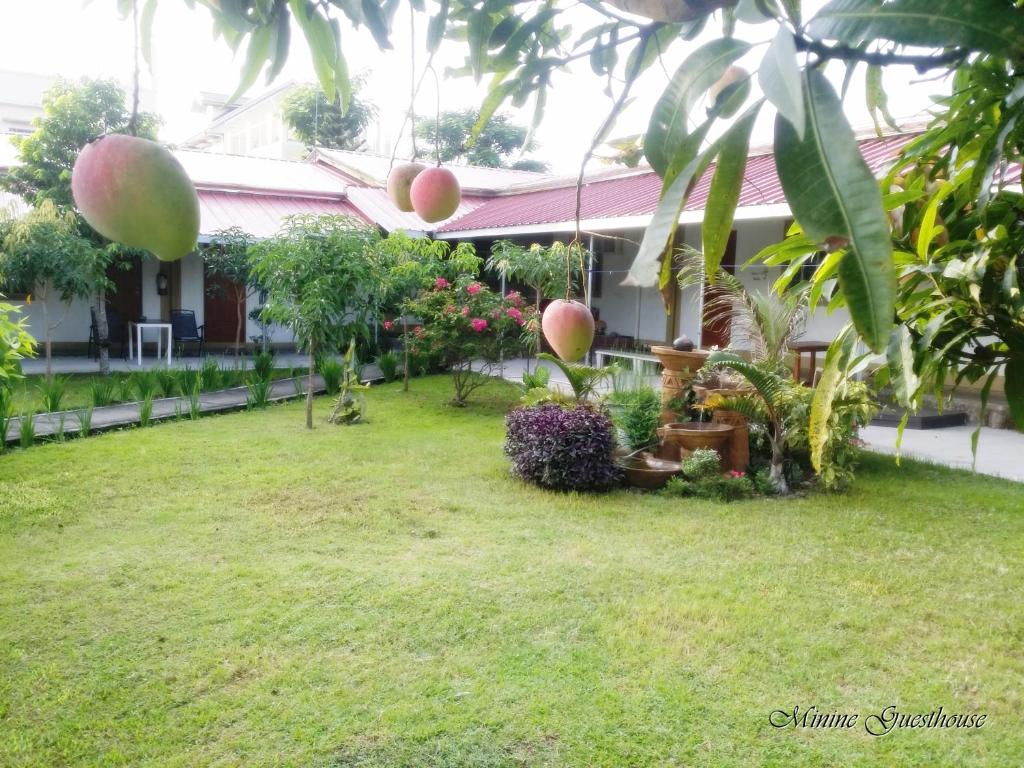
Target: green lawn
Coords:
[(237, 591)]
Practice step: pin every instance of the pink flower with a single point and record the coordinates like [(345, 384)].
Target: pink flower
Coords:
[(735, 473), (388, 325), (514, 297), (418, 330), (440, 284), (479, 324), (465, 311), (495, 313), (515, 314), (449, 309), (473, 289)]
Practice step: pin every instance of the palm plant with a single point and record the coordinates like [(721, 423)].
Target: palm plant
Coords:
[(762, 324), (763, 405), (582, 378)]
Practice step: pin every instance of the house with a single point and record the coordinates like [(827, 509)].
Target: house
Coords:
[(257, 193)]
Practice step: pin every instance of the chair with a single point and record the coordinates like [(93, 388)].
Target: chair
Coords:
[(117, 333), (185, 331)]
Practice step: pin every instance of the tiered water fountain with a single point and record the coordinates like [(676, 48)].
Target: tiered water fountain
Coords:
[(726, 433)]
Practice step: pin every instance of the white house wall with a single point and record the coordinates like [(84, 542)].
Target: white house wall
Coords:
[(74, 328), (618, 304)]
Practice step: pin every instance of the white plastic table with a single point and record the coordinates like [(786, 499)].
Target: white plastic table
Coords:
[(135, 331)]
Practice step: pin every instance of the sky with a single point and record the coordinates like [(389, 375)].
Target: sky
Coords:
[(72, 39)]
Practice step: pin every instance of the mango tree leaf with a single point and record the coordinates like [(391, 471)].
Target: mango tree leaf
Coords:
[(668, 125), (255, 57), (146, 32), (833, 374), (724, 193), (779, 77), (878, 100), (645, 269), (320, 37), (982, 25), (1013, 384), (900, 358), (436, 27), (833, 194)]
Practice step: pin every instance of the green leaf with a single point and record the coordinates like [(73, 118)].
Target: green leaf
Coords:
[(322, 44), (435, 30), (779, 77), (256, 56), (724, 194), (645, 269), (982, 25), (668, 125), (373, 15), (146, 32), (833, 194), (833, 374), (878, 100), (1013, 384), (900, 358)]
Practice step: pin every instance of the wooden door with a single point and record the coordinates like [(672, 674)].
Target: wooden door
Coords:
[(221, 309), (125, 297), (715, 331)]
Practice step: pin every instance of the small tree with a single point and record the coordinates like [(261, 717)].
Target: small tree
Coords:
[(44, 255), (545, 270), (409, 265), (320, 282), (318, 122), (227, 257), (467, 328)]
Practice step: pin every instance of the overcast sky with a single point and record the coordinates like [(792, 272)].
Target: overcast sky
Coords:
[(65, 37)]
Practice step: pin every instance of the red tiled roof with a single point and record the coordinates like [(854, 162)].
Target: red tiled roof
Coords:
[(637, 194), (261, 215), (378, 208)]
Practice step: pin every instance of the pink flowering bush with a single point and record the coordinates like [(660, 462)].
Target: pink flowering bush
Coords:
[(466, 328)]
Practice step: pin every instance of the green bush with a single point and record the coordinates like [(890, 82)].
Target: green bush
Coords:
[(146, 384), (263, 366), (188, 380), (636, 414), (703, 463), (209, 375), (51, 392), (84, 422), (733, 486), (146, 411), (101, 391), (387, 362), (331, 371), (28, 430), (259, 393), (167, 382)]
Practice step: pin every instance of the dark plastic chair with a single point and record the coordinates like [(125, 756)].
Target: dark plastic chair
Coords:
[(117, 333), (185, 331)]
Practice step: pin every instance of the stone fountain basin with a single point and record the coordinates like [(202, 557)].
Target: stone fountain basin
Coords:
[(677, 360), (686, 437), (647, 471)]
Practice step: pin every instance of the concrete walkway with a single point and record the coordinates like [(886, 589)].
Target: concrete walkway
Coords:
[(1000, 451), (48, 425)]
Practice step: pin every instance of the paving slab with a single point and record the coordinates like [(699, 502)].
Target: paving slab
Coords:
[(1000, 451)]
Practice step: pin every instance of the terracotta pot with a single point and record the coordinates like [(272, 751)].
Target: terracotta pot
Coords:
[(646, 471), (683, 438)]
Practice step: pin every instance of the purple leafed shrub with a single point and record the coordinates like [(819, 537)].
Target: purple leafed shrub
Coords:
[(562, 448)]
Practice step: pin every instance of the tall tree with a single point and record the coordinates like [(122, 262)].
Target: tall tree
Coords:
[(74, 113), (320, 122), (319, 276), (494, 145)]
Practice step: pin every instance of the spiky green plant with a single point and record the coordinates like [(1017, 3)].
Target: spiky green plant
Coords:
[(145, 383), (582, 378), (388, 362), (188, 380), (6, 413), (27, 434), (146, 411), (194, 403), (331, 371), (259, 393), (101, 391), (84, 421), (263, 366), (210, 375), (764, 406), (764, 325), (51, 392), (167, 381)]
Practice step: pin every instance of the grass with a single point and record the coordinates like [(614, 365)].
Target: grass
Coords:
[(242, 592)]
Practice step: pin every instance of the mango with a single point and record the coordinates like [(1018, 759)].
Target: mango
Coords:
[(569, 328), (435, 194), (400, 182), (135, 192)]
